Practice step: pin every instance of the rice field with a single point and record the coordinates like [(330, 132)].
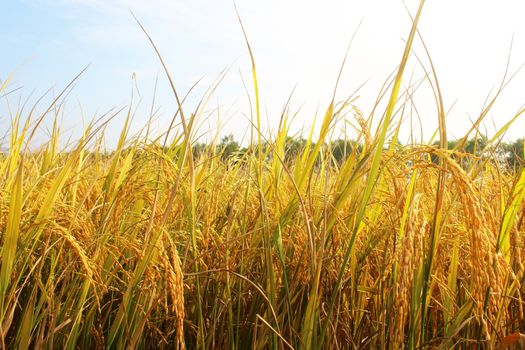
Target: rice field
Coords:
[(284, 244)]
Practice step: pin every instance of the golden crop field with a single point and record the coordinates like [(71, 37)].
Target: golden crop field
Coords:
[(285, 244)]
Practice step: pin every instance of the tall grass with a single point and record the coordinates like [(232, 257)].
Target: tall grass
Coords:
[(152, 246)]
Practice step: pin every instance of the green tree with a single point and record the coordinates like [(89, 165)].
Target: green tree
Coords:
[(341, 149), (514, 153), (228, 147), (293, 147)]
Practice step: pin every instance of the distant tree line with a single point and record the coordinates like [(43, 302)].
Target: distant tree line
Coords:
[(509, 153), (228, 148)]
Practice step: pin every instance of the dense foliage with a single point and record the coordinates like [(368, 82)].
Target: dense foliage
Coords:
[(287, 243)]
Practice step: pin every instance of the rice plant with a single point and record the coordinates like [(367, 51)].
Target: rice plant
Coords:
[(166, 243)]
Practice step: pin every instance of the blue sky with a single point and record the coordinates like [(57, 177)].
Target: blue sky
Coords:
[(300, 44)]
